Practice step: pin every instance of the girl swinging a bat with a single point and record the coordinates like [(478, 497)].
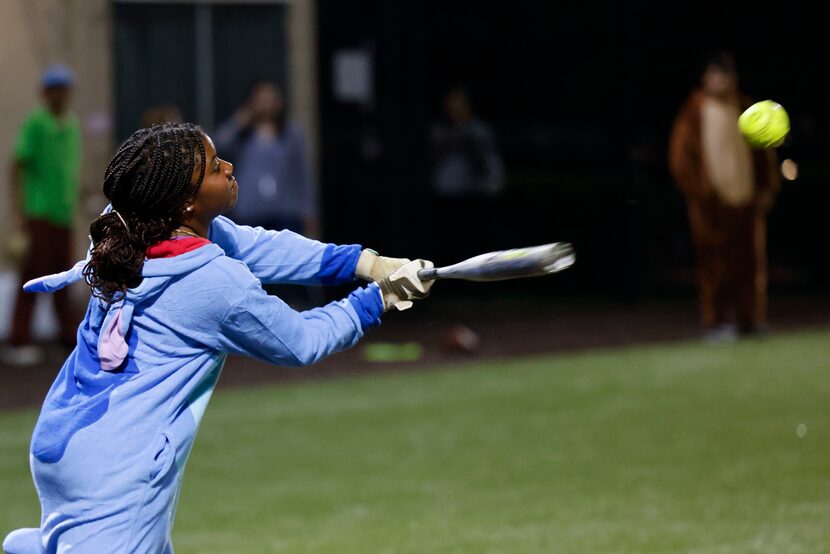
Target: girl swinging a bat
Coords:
[(175, 288)]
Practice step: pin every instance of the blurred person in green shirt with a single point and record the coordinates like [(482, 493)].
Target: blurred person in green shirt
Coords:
[(44, 189)]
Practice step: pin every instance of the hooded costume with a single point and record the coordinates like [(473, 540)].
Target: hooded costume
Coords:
[(116, 428)]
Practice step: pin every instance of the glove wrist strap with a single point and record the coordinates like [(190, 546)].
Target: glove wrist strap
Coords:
[(364, 264)]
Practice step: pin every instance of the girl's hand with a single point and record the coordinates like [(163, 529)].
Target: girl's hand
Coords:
[(372, 267), (403, 286)]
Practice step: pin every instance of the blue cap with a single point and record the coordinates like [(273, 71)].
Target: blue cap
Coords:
[(58, 75)]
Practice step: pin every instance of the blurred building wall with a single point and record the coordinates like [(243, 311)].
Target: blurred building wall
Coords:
[(35, 34), (302, 73)]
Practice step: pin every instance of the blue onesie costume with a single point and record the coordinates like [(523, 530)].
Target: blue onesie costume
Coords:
[(115, 430)]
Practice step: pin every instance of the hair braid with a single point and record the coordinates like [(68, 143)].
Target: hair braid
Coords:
[(148, 181)]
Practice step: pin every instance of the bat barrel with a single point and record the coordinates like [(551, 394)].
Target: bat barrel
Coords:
[(508, 264)]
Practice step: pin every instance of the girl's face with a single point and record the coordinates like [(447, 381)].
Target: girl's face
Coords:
[(219, 190)]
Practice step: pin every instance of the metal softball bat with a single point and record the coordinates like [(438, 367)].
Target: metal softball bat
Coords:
[(534, 261)]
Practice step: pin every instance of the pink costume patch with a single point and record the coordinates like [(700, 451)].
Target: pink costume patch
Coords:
[(112, 346)]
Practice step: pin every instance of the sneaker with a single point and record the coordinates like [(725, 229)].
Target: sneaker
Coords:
[(21, 355), (721, 333)]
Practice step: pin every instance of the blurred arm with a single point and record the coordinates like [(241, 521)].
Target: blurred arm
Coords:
[(22, 156), (228, 135), (767, 177), (765, 168), (685, 157), (16, 193)]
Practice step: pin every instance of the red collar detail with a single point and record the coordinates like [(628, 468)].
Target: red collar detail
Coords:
[(174, 247)]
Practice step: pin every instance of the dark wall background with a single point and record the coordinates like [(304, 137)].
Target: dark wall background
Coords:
[(156, 51), (582, 96)]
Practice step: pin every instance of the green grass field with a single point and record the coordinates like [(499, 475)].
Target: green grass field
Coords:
[(682, 448)]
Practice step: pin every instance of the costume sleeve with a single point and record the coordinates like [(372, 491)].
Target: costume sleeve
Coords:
[(264, 327), (685, 157), (768, 179), (285, 256)]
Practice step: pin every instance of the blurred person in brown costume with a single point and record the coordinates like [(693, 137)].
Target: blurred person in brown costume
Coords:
[(729, 190)]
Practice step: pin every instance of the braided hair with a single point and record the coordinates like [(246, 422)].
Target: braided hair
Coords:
[(148, 182)]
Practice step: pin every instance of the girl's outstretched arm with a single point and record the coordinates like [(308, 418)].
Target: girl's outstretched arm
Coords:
[(264, 327), (285, 256)]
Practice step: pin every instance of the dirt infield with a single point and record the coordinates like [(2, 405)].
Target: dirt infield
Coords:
[(505, 329)]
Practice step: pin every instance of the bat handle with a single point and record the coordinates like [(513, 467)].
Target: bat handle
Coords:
[(427, 274)]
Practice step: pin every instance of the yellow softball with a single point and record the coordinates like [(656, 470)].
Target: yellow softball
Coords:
[(764, 124)]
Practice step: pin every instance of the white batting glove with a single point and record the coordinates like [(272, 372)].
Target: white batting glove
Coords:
[(372, 267), (403, 286)]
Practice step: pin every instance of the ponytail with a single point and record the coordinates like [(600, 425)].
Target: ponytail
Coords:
[(148, 182), (118, 251)]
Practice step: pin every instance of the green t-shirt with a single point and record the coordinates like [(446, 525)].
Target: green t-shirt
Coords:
[(50, 151)]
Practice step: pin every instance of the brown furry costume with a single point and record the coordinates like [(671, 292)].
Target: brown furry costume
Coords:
[(730, 240)]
